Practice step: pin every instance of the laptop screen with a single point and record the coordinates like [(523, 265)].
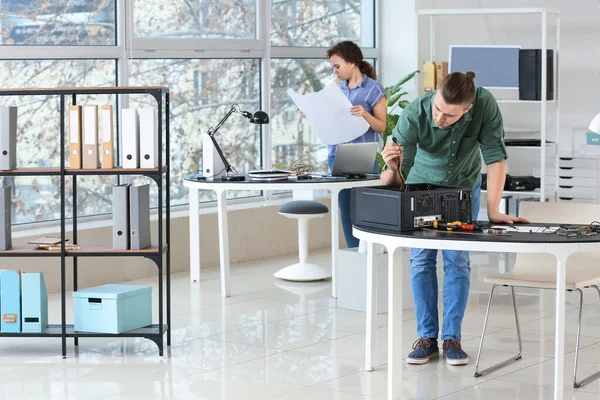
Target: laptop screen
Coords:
[(355, 159)]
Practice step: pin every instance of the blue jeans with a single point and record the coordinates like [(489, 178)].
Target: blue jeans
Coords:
[(344, 205), (457, 280)]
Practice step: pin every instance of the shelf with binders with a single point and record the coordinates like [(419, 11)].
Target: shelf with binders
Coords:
[(96, 147), (85, 90), (88, 171), (31, 172), (117, 171)]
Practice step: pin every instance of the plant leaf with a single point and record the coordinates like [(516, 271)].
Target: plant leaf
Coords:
[(394, 99), (407, 78)]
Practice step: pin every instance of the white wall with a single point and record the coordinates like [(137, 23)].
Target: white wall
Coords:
[(579, 56), (398, 42)]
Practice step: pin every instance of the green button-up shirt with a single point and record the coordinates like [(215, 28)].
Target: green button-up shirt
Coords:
[(450, 156)]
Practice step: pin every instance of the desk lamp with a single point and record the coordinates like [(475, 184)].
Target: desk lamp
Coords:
[(259, 117), (595, 124)]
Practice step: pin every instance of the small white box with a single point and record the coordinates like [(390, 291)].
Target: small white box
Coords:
[(351, 278)]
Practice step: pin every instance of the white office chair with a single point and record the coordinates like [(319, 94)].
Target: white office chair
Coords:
[(539, 271), (303, 211)]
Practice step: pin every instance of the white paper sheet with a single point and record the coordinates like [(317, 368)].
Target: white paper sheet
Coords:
[(328, 114)]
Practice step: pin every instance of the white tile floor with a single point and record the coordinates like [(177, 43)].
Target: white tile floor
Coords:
[(282, 341)]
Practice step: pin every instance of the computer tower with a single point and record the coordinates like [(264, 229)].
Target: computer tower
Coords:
[(400, 208), (530, 74)]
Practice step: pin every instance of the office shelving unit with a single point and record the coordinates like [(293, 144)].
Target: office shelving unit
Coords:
[(159, 252), (544, 13)]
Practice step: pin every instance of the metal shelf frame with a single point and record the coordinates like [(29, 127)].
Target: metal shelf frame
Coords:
[(159, 253)]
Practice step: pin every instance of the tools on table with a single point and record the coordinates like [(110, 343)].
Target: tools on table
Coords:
[(456, 226)]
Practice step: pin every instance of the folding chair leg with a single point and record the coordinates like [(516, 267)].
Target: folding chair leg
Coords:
[(510, 360), (595, 375)]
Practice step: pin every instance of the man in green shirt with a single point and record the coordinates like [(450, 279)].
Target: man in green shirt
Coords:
[(441, 137)]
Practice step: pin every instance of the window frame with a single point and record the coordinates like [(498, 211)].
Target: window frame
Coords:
[(128, 47)]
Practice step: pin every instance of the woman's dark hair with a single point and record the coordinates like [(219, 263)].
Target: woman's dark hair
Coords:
[(351, 53), (458, 88)]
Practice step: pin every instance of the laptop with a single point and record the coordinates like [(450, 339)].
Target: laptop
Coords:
[(354, 160)]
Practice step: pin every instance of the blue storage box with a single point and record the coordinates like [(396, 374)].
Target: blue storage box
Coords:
[(112, 308), (34, 298), (10, 301)]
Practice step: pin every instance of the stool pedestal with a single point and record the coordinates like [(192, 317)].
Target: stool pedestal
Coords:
[(303, 271)]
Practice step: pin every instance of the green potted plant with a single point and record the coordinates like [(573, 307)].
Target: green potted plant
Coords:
[(394, 96)]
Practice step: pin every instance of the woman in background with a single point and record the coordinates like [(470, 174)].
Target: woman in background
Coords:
[(358, 82)]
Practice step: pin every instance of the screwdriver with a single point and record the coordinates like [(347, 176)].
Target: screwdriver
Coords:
[(400, 169), (453, 226)]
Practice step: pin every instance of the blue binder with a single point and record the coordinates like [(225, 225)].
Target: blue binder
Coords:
[(10, 301), (34, 316)]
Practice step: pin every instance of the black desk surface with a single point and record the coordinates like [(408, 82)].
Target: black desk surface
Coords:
[(514, 237), (193, 178)]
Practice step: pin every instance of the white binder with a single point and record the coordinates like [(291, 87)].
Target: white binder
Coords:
[(8, 138), (130, 138), (148, 137), (107, 137), (5, 218), (120, 209), (139, 217), (75, 129), (90, 137)]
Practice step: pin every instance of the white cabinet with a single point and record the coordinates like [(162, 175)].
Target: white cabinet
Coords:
[(572, 172), (577, 181), (580, 192), (578, 178), (568, 162)]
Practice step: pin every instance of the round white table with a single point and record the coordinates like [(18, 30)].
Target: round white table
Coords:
[(560, 246), (221, 187)]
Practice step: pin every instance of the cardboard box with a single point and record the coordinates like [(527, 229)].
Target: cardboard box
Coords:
[(429, 77), (441, 70)]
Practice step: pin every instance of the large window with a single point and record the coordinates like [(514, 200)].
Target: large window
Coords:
[(203, 91), (38, 127), (316, 22), (292, 138), (204, 19), (57, 22), (210, 53)]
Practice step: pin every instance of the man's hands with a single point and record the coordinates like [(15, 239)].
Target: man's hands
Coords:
[(499, 218), (392, 156)]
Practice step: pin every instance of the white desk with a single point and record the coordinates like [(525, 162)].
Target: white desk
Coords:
[(221, 188), (559, 246)]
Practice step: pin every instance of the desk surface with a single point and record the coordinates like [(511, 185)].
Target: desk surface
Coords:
[(249, 184), (514, 237)]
